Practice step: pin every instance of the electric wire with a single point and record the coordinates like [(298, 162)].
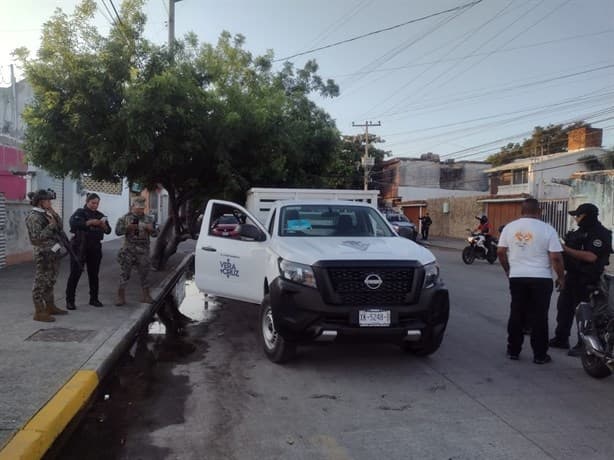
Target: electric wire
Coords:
[(421, 89), (379, 31), (463, 40), (393, 53), (469, 56), (530, 26)]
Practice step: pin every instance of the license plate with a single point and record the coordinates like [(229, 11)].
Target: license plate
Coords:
[(374, 318)]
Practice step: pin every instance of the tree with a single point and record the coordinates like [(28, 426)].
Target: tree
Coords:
[(346, 170), (543, 141), (199, 120)]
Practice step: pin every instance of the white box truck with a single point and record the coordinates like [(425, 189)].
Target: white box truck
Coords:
[(259, 200)]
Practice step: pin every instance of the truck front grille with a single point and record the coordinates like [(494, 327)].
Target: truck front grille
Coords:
[(349, 285)]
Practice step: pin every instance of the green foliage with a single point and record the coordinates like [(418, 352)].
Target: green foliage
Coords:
[(345, 169), (543, 141), (205, 120)]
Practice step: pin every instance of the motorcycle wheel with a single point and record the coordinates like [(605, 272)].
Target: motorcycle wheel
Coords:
[(468, 255), (491, 258), (595, 367)]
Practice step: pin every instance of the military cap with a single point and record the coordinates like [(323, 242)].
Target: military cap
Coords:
[(138, 202), (39, 195)]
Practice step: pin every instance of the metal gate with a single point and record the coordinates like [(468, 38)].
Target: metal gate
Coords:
[(554, 212), (3, 218)]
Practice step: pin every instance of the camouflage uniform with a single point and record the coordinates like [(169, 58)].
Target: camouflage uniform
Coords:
[(46, 262), (135, 251)]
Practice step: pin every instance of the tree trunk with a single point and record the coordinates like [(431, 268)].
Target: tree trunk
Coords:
[(171, 234)]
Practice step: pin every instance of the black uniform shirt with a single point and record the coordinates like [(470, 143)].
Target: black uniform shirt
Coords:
[(596, 239)]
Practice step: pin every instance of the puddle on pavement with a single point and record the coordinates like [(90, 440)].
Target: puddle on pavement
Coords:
[(133, 399), (195, 305)]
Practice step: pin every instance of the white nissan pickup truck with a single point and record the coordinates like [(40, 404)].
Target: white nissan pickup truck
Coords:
[(323, 270)]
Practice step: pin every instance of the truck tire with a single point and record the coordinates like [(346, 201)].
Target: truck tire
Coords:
[(276, 348)]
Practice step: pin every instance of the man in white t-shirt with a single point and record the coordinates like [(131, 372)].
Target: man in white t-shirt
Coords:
[(529, 249)]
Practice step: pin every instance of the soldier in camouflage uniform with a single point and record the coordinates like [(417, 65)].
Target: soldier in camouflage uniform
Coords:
[(43, 224), (137, 228)]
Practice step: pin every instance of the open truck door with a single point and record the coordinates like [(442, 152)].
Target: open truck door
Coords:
[(229, 252)]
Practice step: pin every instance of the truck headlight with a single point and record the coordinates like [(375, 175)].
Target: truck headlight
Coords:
[(297, 273), (431, 274)]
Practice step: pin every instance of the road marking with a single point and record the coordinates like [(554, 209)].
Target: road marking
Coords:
[(37, 436)]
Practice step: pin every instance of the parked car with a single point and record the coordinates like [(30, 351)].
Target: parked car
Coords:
[(225, 225), (402, 225)]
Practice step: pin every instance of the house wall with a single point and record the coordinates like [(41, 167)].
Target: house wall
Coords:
[(418, 173), (596, 188), (460, 215), (18, 245), (423, 193), (542, 173), (12, 159)]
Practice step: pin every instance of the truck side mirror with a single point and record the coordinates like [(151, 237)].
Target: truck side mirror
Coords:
[(251, 232)]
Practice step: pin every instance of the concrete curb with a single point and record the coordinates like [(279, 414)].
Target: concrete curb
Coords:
[(41, 431)]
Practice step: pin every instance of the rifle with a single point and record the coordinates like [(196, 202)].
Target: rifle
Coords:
[(64, 241)]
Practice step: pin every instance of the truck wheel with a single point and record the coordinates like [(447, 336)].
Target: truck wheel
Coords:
[(595, 367), (430, 342), (468, 255), (276, 348)]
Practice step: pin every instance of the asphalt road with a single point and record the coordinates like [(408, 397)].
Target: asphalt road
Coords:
[(217, 396)]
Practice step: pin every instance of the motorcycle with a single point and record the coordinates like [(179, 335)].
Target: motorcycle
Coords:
[(477, 248), (595, 321)]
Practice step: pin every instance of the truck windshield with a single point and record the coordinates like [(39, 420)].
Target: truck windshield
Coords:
[(319, 220)]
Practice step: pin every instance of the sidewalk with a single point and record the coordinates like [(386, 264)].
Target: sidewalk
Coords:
[(48, 371), (442, 242)]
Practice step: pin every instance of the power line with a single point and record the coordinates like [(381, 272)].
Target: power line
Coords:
[(451, 68), (448, 101), (469, 56), (379, 31), (339, 22), (399, 49), (468, 35), (530, 26)]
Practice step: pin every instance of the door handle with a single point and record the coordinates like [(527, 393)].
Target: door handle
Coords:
[(208, 248)]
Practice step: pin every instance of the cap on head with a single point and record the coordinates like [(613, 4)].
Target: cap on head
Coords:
[(588, 209), (40, 195), (138, 202)]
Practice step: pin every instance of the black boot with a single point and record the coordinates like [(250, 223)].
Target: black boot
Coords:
[(557, 342), (94, 302), (70, 305)]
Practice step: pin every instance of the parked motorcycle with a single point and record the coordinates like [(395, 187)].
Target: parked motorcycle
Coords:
[(477, 248), (595, 320)]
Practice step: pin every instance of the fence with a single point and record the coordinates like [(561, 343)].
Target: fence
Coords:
[(554, 212)]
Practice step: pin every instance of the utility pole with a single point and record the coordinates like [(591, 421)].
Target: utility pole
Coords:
[(15, 114), (171, 23), (367, 161)]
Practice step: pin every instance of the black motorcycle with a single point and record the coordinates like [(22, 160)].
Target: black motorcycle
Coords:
[(595, 320), (477, 249)]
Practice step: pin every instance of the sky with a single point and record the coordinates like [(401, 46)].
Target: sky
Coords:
[(459, 84)]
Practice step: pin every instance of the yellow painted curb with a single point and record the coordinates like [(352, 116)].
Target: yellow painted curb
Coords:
[(37, 436)]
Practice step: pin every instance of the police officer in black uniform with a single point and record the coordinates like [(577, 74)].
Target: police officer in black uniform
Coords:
[(586, 253)]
